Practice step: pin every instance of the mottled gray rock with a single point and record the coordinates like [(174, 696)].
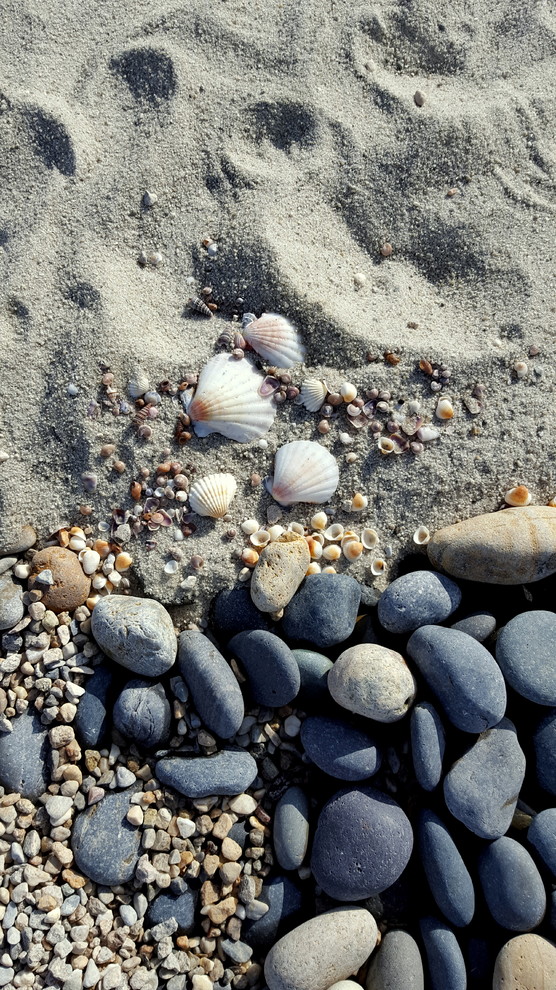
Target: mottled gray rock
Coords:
[(104, 843), (291, 828), (321, 951), (525, 650), (16, 539), (512, 885), (463, 675), (444, 956), (372, 681), (482, 788), (339, 748), (25, 757), (419, 598), (396, 965), (324, 610), (228, 772), (446, 873), (11, 605), (142, 713), (541, 834), (135, 632), (479, 625), (182, 908), (214, 689), (428, 742)]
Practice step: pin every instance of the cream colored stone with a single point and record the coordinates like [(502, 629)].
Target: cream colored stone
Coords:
[(373, 681), (527, 962), (279, 571)]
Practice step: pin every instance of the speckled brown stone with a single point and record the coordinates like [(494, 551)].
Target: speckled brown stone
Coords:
[(71, 586)]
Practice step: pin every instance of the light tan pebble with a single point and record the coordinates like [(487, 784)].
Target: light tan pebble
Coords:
[(62, 853), (135, 815), (61, 735), (231, 850), (526, 962), (419, 98), (242, 804), (348, 391), (201, 982), (69, 788), (67, 712), (107, 450), (71, 772), (218, 913), (373, 681), (313, 568), (211, 864), (230, 872), (22, 571), (280, 570), (47, 902), (319, 521), (222, 826)]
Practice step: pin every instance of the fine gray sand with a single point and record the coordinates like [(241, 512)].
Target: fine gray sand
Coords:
[(290, 135)]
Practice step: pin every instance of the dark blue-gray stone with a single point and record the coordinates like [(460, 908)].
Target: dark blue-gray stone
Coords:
[(447, 875), (396, 964), (428, 742), (544, 741), (479, 625), (482, 788), (142, 713), (375, 839), (25, 757), (463, 675), (182, 908), (269, 665), (420, 598), (512, 885), (339, 748), (284, 901), (552, 910), (324, 610), (229, 772), (290, 828), (313, 670), (105, 845), (541, 834), (215, 691), (234, 612), (238, 952), (91, 720), (446, 964), (526, 652)]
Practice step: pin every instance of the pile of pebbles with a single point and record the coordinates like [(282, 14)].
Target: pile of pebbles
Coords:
[(362, 787)]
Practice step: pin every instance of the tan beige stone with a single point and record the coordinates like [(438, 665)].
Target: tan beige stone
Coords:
[(527, 962), (71, 586), (279, 571)]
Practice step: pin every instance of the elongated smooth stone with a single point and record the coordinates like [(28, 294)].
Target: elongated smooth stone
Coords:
[(514, 546)]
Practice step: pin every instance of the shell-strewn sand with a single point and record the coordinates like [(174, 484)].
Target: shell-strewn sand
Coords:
[(291, 136)]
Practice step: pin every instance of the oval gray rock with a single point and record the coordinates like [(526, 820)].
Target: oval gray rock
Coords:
[(229, 772), (25, 757), (135, 632), (512, 885), (396, 965), (447, 875), (324, 610), (525, 650), (416, 599), (142, 713), (482, 788), (541, 834), (290, 830), (428, 742), (104, 843), (463, 674), (322, 951), (214, 689), (339, 749), (16, 540), (11, 605), (271, 668)]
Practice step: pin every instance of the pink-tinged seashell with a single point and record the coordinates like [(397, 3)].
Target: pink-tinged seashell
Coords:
[(275, 339), (211, 496), (227, 401), (313, 393), (304, 471), (269, 385)]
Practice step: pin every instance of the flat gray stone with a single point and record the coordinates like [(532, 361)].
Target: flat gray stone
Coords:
[(25, 757), (229, 772), (135, 632), (512, 885), (17, 540), (419, 598), (525, 650), (11, 605), (104, 843), (214, 689), (396, 965), (291, 828)]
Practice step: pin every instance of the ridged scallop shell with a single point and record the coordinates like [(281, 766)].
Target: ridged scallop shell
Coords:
[(312, 394), (138, 385), (275, 339), (212, 495), (304, 471), (227, 401)]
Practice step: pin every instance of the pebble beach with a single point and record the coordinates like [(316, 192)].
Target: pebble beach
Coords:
[(278, 527)]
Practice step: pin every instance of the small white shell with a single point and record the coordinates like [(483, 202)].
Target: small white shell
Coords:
[(444, 408), (275, 531), (98, 581), (304, 471), (314, 568), (250, 526), (329, 570), (332, 552), (77, 543), (295, 527), (227, 401), (334, 532), (352, 550), (138, 385), (426, 433), (312, 394), (171, 567), (275, 339), (385, 445), (359, 502), (315, 548), (319, 520), (90, 560), (378, 566), (318, 537), (421, 536), (369, 539), (348, 537), (260, 538), (212, 495), (518, 496), (348, 391)]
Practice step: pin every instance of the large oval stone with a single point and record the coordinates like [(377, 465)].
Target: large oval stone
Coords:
[(229, 772), (544, 741), (322, 951), (279, 571), (339, 748), (214, 689), (270, 666), (372, 681), (428, 742), (104, 843), (313, 669), (397, 964), (444, 956), (324, 610), (541, 834), (71, 585), (527, 962), (515, 546), (525, 650), (135, 632), (512, 885), (463, 675), (447, 875), (290, 830), (376, 840), (25, 757), (482, 788), (420, 598)]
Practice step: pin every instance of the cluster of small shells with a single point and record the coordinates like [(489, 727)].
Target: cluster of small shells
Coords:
[(103, 561)]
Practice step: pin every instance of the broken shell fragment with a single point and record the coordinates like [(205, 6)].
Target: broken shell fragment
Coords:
[(518, 496), (304, 471), (212, 495)]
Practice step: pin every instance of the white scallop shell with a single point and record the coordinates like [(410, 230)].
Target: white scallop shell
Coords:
[(211, 496), (304, 471), (312, 394), (138, 385), (227, 401), (275, 339)]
